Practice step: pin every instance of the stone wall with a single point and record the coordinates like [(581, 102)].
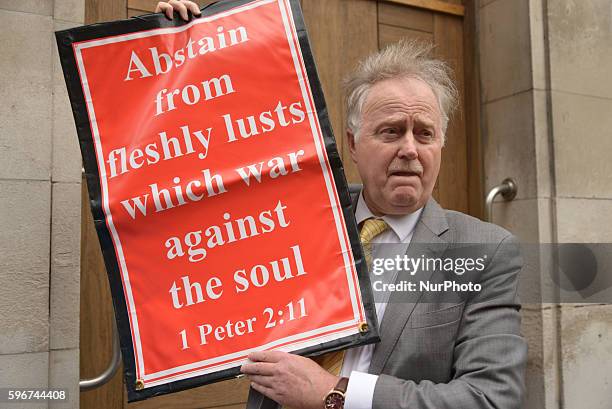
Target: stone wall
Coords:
[(580, 92), (546, 103), (40, 202)]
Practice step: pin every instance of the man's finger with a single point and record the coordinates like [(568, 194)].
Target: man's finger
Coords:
[(193, 7), (180, 8), (258, 368), (165, 8), (267, 356), (267, 381)]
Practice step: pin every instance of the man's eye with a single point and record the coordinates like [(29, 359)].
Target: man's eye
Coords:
[(426, 134), (388, 131)]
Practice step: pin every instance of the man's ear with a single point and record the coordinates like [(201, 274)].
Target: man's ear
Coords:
[(350, 137)]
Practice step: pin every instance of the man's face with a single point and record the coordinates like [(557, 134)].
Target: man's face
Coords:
[(399, 145)]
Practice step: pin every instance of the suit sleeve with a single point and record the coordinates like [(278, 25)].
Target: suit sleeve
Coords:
[(489, 353)]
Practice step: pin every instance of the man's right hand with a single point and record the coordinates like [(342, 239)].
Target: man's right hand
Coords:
[(181, 6)]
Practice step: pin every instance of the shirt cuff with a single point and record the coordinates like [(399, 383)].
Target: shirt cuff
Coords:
[(360, 390)]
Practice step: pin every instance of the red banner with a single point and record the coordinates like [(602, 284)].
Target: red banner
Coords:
[(217, 191)]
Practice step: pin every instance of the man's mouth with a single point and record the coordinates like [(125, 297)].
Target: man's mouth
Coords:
[(404, 173)]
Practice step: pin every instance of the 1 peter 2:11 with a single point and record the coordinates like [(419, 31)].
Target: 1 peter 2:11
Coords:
[(209, 333)]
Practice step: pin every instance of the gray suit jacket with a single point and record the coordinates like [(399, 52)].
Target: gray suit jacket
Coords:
[(454, 350)]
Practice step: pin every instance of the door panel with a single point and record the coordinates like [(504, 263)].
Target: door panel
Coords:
[(341, 32), (392, 34), (406, 17), (453, 179)]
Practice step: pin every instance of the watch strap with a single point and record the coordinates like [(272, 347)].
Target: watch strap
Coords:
[(342, 385)]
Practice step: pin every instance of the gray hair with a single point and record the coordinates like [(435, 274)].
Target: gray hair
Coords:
[(401, 59)]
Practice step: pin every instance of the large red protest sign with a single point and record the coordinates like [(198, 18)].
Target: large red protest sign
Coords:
[(218, 194)]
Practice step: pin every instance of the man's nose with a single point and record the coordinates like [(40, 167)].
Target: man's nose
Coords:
[(407, 149)]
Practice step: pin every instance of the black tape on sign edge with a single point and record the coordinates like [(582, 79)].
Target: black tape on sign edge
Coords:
[(65, 39)]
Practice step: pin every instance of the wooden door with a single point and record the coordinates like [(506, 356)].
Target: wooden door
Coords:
[(341, 33)]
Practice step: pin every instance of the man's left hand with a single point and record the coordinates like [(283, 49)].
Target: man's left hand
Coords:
[(289, 379)]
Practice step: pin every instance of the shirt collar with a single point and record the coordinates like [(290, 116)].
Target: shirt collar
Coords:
[(402, 225)]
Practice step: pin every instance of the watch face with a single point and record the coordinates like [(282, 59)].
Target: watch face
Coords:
[(335, 400)]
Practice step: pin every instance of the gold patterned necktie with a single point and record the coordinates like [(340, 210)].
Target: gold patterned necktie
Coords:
[(371, 228)]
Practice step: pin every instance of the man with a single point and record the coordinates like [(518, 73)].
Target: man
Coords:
[(467, 353)]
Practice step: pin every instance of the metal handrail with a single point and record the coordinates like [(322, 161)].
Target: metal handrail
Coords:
[(507, 189), (111, 369)]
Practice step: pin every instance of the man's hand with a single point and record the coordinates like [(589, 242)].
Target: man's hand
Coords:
[(181, 6), (289, 379)]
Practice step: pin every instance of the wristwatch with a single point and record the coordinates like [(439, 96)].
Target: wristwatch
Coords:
[(335, 398)]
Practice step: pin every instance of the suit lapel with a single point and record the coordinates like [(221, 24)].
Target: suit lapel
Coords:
[(425, 241)]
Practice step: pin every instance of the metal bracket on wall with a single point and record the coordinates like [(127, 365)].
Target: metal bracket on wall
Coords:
[(507, 189), (111, 369)]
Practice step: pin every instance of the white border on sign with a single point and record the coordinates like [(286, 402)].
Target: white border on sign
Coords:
[(230, 360), (295, 342)]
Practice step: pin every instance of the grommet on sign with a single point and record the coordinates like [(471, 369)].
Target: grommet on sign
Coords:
[(139, 385), (363, 327)]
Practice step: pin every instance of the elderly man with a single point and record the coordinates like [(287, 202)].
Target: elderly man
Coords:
[(464, 354)]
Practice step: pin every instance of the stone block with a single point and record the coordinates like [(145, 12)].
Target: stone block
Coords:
[(537, 26), (26, 95), (539, 326), (528, 219), (30, 370), (66, 165), (582, 143), (64, 374), (24, 262), (69, 10), (542, 145), (587, 356), (584, 220), (531, 328), (580, 43), (65, 265), (505, 49), (42, 7), (509, 144)]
